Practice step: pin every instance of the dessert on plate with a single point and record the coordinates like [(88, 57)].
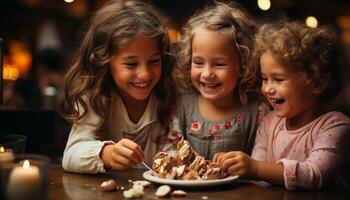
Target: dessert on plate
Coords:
[(186, 165)]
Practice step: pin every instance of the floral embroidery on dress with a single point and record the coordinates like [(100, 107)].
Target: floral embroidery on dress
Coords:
[(217, 127), (228, 124), (238, 119), (195, 126), (211, 132), (215, 130)]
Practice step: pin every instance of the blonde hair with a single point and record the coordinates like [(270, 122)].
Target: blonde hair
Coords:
[(230, 19), (113, 26)]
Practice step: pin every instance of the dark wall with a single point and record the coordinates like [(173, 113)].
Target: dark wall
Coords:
[(46, 131)]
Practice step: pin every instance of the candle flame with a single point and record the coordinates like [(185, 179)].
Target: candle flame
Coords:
[(2, 149), (26, 164)]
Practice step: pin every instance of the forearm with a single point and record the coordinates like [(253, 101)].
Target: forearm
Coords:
[(269, 172), (83, 157)]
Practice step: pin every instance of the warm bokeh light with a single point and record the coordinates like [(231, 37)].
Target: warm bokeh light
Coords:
[(69, 1), (343, 23), (2, 149), (19, 57), (173, 34), (10, 73), (264, 4), (78, 9), (311, 21), (23, 61)]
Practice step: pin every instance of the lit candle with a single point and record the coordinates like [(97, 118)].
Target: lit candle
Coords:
[(24, 182), (6, 155)]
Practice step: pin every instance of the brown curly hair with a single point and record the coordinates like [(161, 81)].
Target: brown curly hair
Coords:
[(228, 18), (113, 26), (314, 53)]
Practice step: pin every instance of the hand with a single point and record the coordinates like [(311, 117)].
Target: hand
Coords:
[(125, 154), (218, 157), (238, 163)]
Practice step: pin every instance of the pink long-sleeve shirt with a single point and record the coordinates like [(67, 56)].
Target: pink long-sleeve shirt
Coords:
[(310, 154)]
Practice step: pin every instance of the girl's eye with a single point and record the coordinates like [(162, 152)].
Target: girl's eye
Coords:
[(279, 80), (131, 64), (197, 62), (154, 61), (220, 64)]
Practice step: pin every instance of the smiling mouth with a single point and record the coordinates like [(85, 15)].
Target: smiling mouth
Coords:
[(210, 85), (141, 85), (278, 101)]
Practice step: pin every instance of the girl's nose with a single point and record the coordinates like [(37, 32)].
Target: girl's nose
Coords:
[(207, 72), (143, 72), (268, 88)]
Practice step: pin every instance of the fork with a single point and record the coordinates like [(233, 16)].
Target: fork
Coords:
[(147, 166)]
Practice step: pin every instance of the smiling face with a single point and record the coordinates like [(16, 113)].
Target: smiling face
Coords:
[(136, 68), (286, 92), (214, 68)]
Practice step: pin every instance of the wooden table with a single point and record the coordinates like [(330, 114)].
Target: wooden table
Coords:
[(63, 185)]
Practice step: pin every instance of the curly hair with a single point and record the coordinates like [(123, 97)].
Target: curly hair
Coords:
[(314, 53), (112, 27), (228, 18)]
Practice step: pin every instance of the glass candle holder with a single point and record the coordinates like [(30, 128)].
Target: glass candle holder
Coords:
[(6, 155), (14, 142), (26, 178)]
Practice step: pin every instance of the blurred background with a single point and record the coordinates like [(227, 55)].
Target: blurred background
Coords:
[(39, 38)]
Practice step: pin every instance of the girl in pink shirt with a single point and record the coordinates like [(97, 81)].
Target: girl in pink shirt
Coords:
[(301, 144)]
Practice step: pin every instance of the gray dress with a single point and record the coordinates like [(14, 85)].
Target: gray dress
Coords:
[(207, 137)]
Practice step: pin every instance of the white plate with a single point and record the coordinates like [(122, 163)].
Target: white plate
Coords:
[(151, 176)]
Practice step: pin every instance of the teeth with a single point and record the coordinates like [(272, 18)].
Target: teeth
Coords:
[(209, 84), (140, 84)]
